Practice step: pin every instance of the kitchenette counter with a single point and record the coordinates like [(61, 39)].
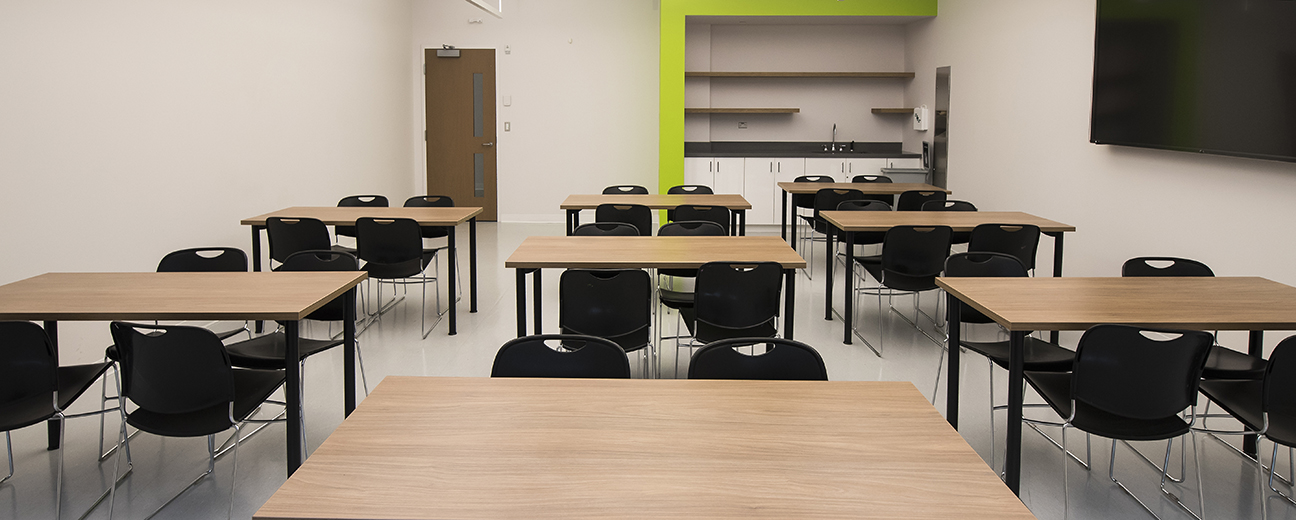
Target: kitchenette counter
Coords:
[(861, 150)]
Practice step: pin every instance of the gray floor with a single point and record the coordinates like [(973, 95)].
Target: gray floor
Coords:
[(392, 347)]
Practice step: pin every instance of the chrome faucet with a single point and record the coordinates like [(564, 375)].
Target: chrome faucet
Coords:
[(832, 147)]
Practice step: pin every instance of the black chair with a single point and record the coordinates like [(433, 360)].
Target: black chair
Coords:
[(865, 179), (733, 300), (182, 384), (606, 229), (1265, 407), (636, 215), (1039, 355), (434, 232), (573, 356), (613, 304), (871, 238), (913, 200), (625, 189), (783, 359), (1223, 362), (960, 237), (392, 250), (33, 388), (290, 235), (806, 200), (692, 212), (372, 201), (827, 199), (1128, 385), (686, 189), (675, 290), (1019, 240), (912, 257)]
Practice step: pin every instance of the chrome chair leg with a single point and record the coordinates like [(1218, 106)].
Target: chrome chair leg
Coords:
[(1272, 471)]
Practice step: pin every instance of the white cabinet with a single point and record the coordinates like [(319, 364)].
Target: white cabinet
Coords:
[(831, 166), (722, 174), (863, 167), (699, 170), (760, 189)]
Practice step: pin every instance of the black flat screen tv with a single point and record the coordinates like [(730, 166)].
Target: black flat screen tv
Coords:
[(1208, 76)]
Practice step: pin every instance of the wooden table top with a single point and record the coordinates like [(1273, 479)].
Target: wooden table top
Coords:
[(657, 201), (856, 221), (1203, 303), (656, 252), (172, 296), (869, 188), (430, 447), (346, 216)]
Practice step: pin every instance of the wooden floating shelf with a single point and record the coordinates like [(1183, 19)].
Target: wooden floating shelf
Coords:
[(704, 74), (741, 110), (893, 111)]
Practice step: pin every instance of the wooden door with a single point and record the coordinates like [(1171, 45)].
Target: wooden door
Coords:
[(460, 119)]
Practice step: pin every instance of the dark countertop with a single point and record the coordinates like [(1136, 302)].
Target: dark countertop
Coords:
[(869, 150)]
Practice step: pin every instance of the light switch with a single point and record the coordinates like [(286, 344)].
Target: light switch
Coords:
[(507, 126), (508, 101)]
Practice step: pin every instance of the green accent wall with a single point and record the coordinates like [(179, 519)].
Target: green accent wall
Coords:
[(673, 13)]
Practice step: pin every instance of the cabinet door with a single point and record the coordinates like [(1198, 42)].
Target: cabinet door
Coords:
[(864, 167), (698, 170), (785, 170), (832, 167), (758, 186), (728, 175)]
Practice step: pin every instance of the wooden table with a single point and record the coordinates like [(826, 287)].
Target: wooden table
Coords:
[(428, 217), (869, 188), (850, 222), (538, 253), (638, 449), (287, 297), (575, 203), (1023, 305)]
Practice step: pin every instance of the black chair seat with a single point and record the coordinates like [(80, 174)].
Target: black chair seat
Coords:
[(1241, 398), (1055, 388), (251, 388), (895, 280), (72, 382), (1041, 356), (1226, 363), (708, 332), (413, 267), (267, 352), (675, 299)]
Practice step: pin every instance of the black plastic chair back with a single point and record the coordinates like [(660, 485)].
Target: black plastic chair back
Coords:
[(373, 201), (636, 215), (28, 368), (606, 229), (913, 200), (391, 248), (1019, 240), (173, 369), (290, 235), (1148, 266), (431, 201), (580, 356), (323, 260), (828, 199), (913, 256), (737, 300), (614, 304), (625, 189), (783, 360), (204, 260), (688, 228), (996, 265), (1280, 388), (718, 214), (865, 179), (690, 189), (948, 205), (806, 200), (870, 237), (1121, 370)]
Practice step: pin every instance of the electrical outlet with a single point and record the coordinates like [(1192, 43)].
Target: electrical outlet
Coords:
[(742, 125), (507, 126)]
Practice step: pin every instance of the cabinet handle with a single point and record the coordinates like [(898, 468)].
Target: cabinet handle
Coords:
[(780, 167), (850, 167), (771, 167)]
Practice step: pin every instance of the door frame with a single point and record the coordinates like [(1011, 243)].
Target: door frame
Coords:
[(423, 155)]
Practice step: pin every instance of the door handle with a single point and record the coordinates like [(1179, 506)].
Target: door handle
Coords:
[(488, 144)]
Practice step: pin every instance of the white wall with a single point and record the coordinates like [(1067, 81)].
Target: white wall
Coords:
[(583, 79), (130, 128), (1021, 74)]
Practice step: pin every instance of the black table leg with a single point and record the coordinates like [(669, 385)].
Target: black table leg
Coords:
[(848, 238), (1255, 347), (789, 299), (535, 298), (521, 301), (1012, 454), (573, 221), (292, 394), (952, 305), (828, 278), (452, 271), (783, 227), (742, 222), (472, 264), (792, 231), (1057, 272), (256, 263), (53, 426), (349, 351)]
